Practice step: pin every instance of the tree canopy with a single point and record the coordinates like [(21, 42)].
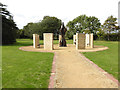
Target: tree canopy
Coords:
[(9, 27), (109, 26), (47, 25), (83, 24)]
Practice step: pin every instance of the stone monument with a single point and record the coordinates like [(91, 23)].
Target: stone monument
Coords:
[(87, 40), (91, 40), (62, 41), (35, 40), (48, 41), (80, 41)]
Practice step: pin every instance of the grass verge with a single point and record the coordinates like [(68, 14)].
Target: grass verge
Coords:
[(108, 59), (23, 69)]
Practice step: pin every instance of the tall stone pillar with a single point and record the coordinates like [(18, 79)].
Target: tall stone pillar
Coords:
[(74, 39), (35, 40), (87, 40), (91, 40), (80, 41), (48, 41)]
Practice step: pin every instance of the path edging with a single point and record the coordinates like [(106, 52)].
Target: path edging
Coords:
[(52, 75), (100, 69)]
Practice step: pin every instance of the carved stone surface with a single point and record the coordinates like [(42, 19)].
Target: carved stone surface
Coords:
[(62, 41)]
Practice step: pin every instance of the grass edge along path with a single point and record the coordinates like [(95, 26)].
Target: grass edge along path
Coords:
[(28, 42), (107, 59), (23, 69)]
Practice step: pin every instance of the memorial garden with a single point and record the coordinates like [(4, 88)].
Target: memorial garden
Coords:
[(48, 54)]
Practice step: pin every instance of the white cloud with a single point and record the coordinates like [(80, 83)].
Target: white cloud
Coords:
[(26, 11)]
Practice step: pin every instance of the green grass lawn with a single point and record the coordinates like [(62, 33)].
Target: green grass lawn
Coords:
[(108, 59), (22, 69)]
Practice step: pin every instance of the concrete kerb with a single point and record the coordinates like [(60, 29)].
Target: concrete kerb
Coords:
[(52, 77)]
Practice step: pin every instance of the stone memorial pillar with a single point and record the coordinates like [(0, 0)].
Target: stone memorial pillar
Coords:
[(87, 40), (74, 39), (35, 40), (91, 40), (48, 41), (80, 41), (38, 40)]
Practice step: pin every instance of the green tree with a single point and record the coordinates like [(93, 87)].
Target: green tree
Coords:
[(51, 25), (21, 34), (110, 25), (47, 25), (9, 28), (93, 24), (100, 33), (84, 24)]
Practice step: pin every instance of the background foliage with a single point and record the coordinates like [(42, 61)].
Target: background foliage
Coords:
[(9, 28), (47, 25)]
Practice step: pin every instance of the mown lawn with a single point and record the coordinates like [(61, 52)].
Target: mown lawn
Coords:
[(22, 69), (108, 59)]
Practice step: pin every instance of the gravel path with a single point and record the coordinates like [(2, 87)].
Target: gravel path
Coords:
[(73, 71)]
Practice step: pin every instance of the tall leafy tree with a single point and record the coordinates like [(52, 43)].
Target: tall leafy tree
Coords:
[(110, 25), (47, 25), (93, 24), (9, 27), (84, 24)]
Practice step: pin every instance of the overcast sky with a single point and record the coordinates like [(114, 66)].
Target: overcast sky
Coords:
[(25, 11)]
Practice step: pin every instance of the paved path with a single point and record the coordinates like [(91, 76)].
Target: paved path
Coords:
[(73, 71)]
